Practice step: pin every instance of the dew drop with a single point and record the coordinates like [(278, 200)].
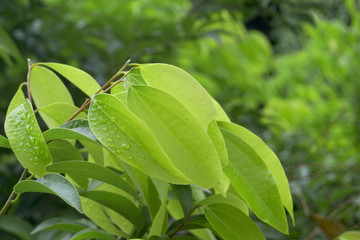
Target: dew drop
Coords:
[(126, 146)]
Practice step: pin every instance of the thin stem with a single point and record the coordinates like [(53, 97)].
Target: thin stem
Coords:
[(184, 222), (12, 196), (28, 80)]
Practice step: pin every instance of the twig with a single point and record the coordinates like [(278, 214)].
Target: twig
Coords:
[(184, 222)]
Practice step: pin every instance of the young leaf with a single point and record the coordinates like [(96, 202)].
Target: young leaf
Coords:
[(17, 100), (54, 115), (218, 140), (231, 223), (179, 133), (78, 77), (130, 139), (94, 171), (26, 139), (16, 226), (118, 203), (53, 184), (4, 143), (269, 158), (46, 88), (259, 190), (184, 194), (59, 223), (183, 87), (93, 234)]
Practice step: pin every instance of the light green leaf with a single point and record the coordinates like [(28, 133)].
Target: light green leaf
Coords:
[(184, 194), (122, 96), (56, 114), (94, 171), (119, 204), (17, 99), (95, 150), (231, 199), (184, 238), (4, 143), (59, 223), (254, 182), (158, 223), (53, 184), (46, 88), (183, 87), (223, 185), (93, 234), (119, 88), (78, 77), (16, 226), (124, 134), (220, 113), (218, 140), (350, 235), (179, 133), (269, 158), (231, 223), (26, 139)]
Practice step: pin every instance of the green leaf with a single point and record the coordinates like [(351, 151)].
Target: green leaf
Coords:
[(94, 171), (59, 223), (95, 150), (75, 129), (219, 143), (183, 87), (46, 88), (231, 199), (220, 113), (269, 158), (179, 133), (93, 234), (231, 223), (119, 88), (78, 77), (130, 139), (16, 226), (158, 223), (350, 235), (17, 100), (56, 114), (254, 182), (26, 139), (119, 204), (184, 194), (53, 184), (193, 222), (184, 238), (4, 143)]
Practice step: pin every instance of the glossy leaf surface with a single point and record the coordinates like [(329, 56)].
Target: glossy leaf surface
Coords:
[(178, 132), (17, 100), (90, 233), (26, 139), (59, 223), (53, 184), (130, 139), (4, 143), (230, 200)]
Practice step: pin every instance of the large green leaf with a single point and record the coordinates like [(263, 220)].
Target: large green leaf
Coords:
[(90, 233), (53, 184), (118, 203), (78, 77), (56, 114), (254, 182), (59, 223), (17, 100), (46, 88), (4, 143), (268, 157), (230, 199), (220, 113), (26, 139), (183, 87), (16, 226), (94, 171), (231, 223), (130, 139), (179, 133), (218, 140)]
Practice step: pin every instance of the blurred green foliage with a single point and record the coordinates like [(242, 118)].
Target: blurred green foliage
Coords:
[(288, 70)]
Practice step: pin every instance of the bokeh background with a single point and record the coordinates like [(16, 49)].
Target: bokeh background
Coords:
[(288, 70)]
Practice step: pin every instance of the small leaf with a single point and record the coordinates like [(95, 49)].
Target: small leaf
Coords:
[(94, 171), (17, 100), (231, 200), (53, 184), (231, 223), (78, 77), (158, 223), (47, 88), (4, 143), (54, 115), (16, 226), (184, 194), (93, 234), (269, 158), (130, 139), (350, 235), (179, 133), (26, 139), (119, 204), (59, 223)]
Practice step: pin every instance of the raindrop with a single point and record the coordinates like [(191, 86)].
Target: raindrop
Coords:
[(126, 146)]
